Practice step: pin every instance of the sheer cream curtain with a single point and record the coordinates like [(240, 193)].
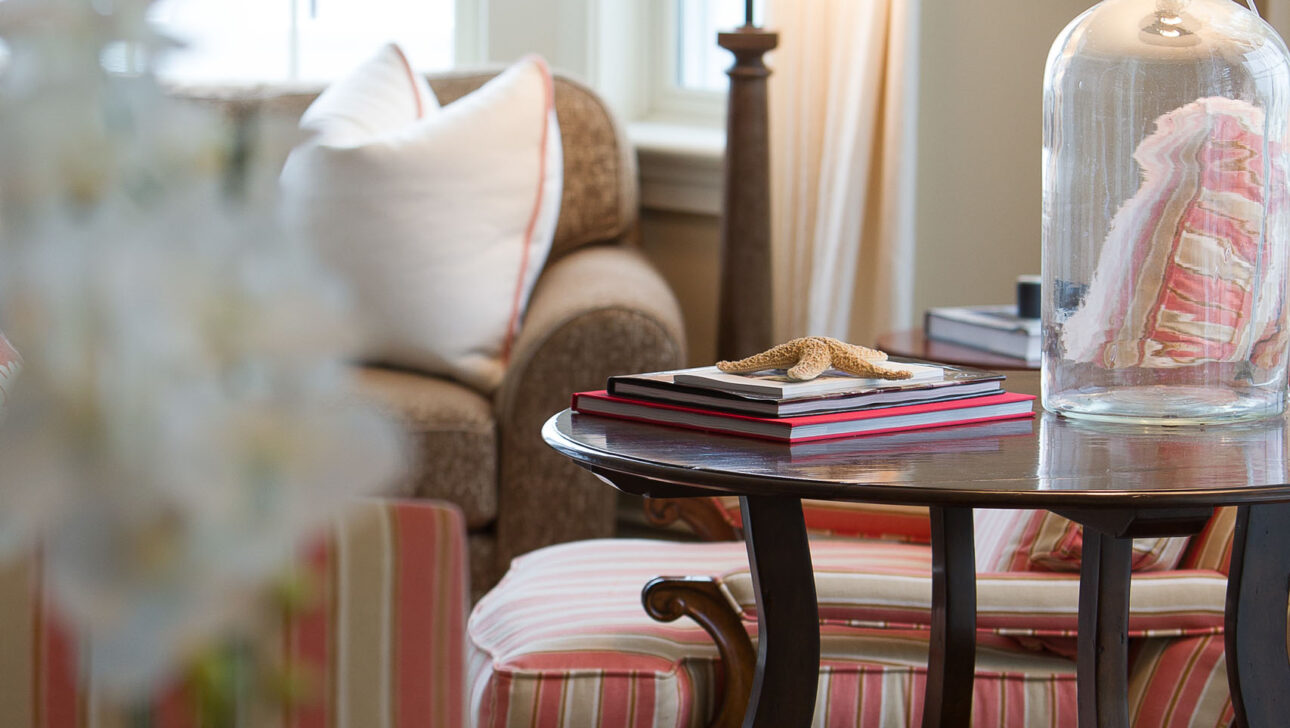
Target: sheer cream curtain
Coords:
[(842, 128)]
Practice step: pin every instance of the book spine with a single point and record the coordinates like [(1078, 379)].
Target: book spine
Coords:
[(686, 426), (907, 428)]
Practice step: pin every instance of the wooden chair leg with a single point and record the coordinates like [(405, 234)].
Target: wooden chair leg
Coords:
[(668, 598), (700, 514)]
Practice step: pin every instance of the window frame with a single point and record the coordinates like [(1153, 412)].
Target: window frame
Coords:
[(668, 101), (678, 134), (469, 42)]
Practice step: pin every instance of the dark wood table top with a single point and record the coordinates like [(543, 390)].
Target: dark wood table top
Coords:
[(912, 343), (1048, 462)]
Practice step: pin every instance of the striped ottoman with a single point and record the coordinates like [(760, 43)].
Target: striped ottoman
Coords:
[(563, 641)]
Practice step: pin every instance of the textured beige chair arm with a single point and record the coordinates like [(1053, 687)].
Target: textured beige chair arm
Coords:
[(600, 310)]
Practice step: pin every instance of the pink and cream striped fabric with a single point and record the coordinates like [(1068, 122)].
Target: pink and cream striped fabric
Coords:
[(893, 589), (1006, 540), (10, 365), (860, 520), (1183, 276), (1191, 671), (563, 642), (1026, 540), (384, 639), (1212, 547)]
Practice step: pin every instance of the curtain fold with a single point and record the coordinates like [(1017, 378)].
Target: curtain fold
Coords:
[(842, 131)]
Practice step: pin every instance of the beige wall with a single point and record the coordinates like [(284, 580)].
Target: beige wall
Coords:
[(685, 247), (979, 135), (979, 138)]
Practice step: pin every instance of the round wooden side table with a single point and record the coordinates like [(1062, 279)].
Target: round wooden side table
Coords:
[(1112, 479)]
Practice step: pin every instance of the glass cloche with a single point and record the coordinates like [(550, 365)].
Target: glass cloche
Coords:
[(1165, 221)]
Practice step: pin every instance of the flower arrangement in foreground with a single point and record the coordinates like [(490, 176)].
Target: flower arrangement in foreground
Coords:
[(184, 415)]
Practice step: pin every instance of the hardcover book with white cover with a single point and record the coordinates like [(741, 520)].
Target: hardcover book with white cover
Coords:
[(775, 383), (955, 382)]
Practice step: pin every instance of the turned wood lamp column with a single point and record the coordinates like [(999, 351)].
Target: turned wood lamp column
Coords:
[(744, 312)]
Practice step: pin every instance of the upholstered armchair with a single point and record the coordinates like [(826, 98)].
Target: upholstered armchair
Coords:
[(599, 308), (375, 637), (687, 658)]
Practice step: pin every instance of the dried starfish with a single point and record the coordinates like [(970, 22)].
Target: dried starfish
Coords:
[(808, 357)]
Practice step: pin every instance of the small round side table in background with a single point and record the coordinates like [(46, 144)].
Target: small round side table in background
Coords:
[(1022, 377), (912, 343)]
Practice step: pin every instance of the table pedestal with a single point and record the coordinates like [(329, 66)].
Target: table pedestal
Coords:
[(951, 652), (788, 649), (788, 654), (1102, 667), (1258, 585), (788, 620)]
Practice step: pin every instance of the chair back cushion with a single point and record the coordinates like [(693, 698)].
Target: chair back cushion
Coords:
[(1026, 540), (1212, 547), (439, 219), (600, 200), (859, 520)]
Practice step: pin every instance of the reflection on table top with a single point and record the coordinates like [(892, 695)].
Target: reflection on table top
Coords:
[(1049, 461)]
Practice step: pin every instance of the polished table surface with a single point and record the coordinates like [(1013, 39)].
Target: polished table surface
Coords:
[(1119, 481), (1047, 462)]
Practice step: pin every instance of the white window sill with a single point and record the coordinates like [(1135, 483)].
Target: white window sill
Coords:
[(680, 166)]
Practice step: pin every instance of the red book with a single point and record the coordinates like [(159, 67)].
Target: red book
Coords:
[(1002, 406)]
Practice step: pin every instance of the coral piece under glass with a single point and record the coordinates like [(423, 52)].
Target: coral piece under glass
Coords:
[(1165, 228)]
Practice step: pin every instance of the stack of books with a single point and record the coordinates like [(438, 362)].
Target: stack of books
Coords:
[(996, 329), (768, 405)]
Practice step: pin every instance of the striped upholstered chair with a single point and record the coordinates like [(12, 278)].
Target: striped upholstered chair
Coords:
[(380, 642), (563, 640)]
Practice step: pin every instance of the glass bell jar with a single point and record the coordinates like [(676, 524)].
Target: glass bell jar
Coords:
[(1166, 226)]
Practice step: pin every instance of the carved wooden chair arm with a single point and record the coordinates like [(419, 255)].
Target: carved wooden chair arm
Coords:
[(700, 514), (668, 598)]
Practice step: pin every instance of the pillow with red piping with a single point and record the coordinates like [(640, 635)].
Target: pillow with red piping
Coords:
[(439, 218)]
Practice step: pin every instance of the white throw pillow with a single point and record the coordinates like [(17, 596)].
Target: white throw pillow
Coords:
[(439, 218)]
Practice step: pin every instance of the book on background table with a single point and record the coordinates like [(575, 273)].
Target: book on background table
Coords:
[(805, 428), (997, 329), (955, 382)]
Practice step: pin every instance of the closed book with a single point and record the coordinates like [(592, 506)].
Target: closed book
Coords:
[(775, 382), (1005, 405), (997, 329), (958, 439), (955, 382)]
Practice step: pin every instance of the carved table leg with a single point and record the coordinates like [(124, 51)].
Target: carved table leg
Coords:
[(1103, 645), (952, 655), (1258, 669), (788, 626)]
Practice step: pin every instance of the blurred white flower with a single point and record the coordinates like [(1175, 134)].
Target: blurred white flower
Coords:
[(184, 417)]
